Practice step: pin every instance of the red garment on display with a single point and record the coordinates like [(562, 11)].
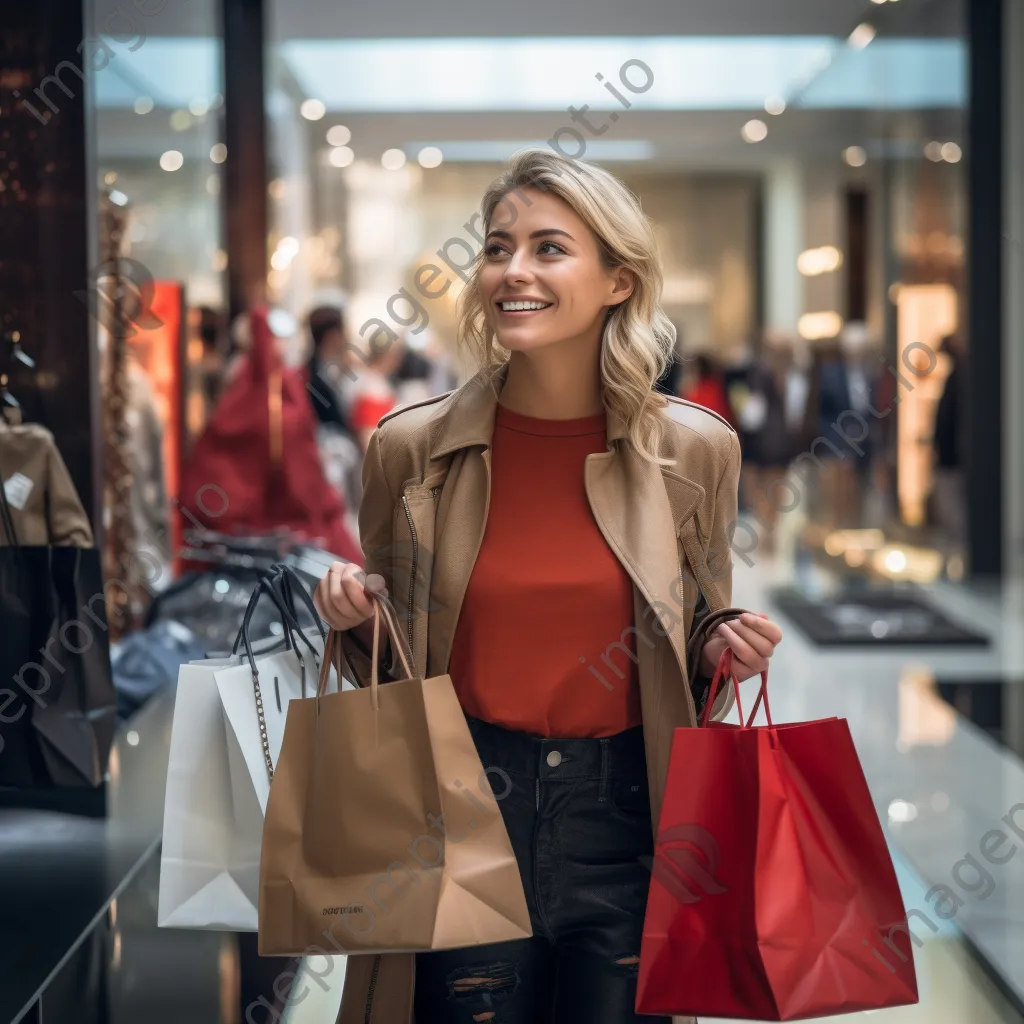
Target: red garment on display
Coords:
[(773, 894), (256, 467), (710, 394), (543, 642)]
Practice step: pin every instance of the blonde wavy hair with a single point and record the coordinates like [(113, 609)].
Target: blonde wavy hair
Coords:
[(639, 338)]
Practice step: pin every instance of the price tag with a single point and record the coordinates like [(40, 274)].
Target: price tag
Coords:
[(17, 488)]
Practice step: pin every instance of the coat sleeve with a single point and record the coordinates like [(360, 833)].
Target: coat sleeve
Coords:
[(68, 525), (376, 516), (720, 565)]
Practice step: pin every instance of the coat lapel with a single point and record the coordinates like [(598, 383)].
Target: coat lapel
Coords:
[(641, 508), (631, 504)]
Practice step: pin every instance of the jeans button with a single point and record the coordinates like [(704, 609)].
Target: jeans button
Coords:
[(554, 759)]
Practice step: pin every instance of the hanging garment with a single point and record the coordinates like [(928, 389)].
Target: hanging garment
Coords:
[(58, 712), (256, 468), (45, 508)]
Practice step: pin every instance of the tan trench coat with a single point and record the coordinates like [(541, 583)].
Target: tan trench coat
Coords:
[(426, 491)]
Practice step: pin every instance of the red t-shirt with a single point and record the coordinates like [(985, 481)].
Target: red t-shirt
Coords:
[(542, 638)]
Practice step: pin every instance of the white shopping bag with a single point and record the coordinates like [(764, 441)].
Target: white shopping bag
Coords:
[(213, 816)]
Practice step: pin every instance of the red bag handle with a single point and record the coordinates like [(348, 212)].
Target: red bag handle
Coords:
[(724, 669)]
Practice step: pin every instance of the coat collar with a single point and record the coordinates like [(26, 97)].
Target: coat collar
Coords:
[(641, 508), (468, 420)]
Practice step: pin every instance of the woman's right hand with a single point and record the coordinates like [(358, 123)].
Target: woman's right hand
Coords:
[(342, 596)]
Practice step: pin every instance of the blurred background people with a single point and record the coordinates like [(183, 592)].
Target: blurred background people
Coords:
[(340, 453), (704, 386), (767, 442), (671, 381), (949, 499), (367, 387), (327, 334), (847, 383)]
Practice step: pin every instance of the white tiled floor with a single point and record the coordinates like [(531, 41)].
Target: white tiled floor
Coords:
[(947, 782)]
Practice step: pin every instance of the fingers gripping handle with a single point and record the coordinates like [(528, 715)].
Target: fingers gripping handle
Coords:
[(724, 670), (383, 613)]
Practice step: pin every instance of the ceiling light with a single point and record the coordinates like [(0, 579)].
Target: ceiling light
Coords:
[(775, 105), (341, 156), (861, 35), (879, 1), (392, 159), (754, 131), (430, 156), (110, 177), (171, 160), (855, 156), (218, 152), (951, 152), (933, 151), (143, 105), (339, 135), (312, 110), (812, 262), (181, 120), (198, 107), (817, 326)]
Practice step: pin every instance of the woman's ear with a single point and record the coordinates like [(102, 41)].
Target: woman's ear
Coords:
[(623, 282)]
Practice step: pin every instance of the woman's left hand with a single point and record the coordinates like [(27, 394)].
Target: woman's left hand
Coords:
[(752, 638)]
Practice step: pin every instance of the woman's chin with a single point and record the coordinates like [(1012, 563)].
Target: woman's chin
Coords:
[(523, 340)]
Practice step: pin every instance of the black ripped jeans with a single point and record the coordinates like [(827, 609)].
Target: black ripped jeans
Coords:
[(578, 814)]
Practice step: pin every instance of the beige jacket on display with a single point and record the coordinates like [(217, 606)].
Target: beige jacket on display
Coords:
[(44, 504), (426, 485)]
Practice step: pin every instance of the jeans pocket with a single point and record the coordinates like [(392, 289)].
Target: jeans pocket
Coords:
[(630, 799)]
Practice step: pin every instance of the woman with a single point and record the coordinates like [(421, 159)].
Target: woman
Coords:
[(560, 516)]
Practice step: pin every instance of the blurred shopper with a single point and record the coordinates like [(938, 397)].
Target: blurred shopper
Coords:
[(762, 418), (671, 381), (948, 492), (552, 525), (340, 451), (327, 332), (368, 388), (707, 388), (846, 394)]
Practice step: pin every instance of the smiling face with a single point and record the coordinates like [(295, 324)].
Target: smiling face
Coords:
[(542, 281)]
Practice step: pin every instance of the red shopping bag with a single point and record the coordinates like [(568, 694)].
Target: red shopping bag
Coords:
[(773, 896)]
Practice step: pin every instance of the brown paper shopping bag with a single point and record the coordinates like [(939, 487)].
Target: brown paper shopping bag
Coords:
[(383, 832)]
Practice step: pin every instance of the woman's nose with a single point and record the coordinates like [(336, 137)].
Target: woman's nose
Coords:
[(518, 268)]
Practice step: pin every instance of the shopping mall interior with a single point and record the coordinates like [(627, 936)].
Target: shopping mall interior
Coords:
[(212, 212)]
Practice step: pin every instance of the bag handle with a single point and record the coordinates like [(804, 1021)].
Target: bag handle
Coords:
[(291, 626), (290, 584), (724, 670), (383, 611)]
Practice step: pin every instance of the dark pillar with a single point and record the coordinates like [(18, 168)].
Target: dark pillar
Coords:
[(245, 170), (984, 448), (44, 229)]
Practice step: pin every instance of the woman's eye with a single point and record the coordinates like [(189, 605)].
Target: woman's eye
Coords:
[(552, 248), (493, 250)]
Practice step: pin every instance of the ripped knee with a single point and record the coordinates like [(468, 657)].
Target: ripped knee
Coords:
[(483, 988), (630, 963)]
